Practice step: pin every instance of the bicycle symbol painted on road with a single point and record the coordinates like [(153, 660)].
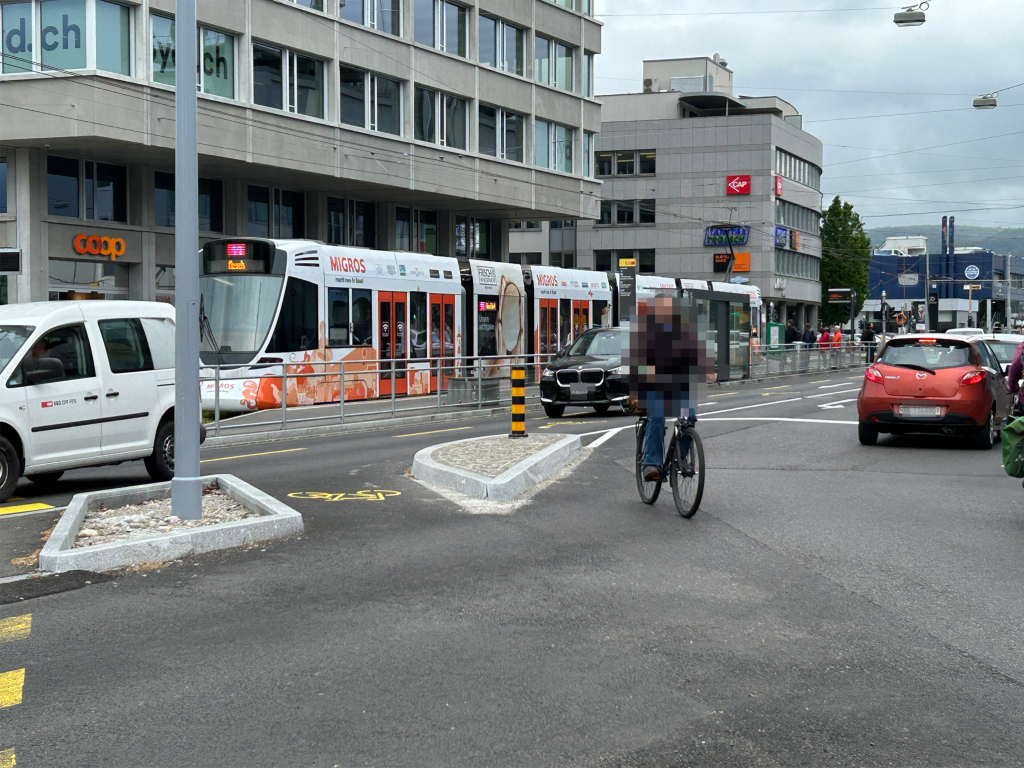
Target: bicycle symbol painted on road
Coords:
[(367, 495)]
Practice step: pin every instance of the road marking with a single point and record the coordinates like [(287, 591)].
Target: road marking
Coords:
[(432, 432), (15, 628), (368, 495), (608, 435), (833, 394), (560, 423), (833, 386), (11, 684), (7, 758), (784, 386), (17, 508), (250, 455), (744, 407), (770, 418), (726, 394), (837, 403)]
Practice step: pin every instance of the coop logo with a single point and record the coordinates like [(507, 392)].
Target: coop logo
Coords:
[(345, 264), (100, 246), (58, 403), (547, 280)]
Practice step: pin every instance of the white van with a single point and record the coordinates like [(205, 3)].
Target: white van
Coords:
[(82, 384)]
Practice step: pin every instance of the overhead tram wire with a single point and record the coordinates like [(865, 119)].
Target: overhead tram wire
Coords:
[(748, 13)]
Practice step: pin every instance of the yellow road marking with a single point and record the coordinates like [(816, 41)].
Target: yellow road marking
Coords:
[(434, 432), (15, 628), (726, 394), (11, 684), (7, 758), (366, 495), (24, 508), (250, 455), (784, 386)]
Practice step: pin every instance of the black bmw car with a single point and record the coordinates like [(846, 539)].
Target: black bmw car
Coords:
[(588, 374)]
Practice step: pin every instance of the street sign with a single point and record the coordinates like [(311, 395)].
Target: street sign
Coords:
[(909, 279), (973, 287), (839, 295)]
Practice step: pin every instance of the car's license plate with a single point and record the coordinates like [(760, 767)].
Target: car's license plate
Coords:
[(920, 411), (578, 390)]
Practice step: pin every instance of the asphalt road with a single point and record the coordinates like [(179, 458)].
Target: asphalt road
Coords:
[(830, 605)]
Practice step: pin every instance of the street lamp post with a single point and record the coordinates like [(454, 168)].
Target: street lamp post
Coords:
[(186, 487), (911, 16), (884, 325)]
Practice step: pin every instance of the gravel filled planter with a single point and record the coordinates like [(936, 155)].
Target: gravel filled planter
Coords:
[(129, 526)]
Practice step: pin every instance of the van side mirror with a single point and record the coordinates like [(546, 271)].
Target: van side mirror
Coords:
[(47, 369)]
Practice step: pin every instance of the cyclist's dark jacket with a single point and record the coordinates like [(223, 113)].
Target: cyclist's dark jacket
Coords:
[(664, 357)]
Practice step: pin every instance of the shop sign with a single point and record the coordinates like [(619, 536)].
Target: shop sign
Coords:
[(726, 235), (737, 185), (794, 240), (781, 237), (741, 264), (98, 245), (778, 186)]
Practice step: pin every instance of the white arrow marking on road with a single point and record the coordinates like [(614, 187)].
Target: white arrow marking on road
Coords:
[(744, 407), (608, 435), (836, 404)]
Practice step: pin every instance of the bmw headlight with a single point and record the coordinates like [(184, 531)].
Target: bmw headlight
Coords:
[(617, 370), (548, 374)]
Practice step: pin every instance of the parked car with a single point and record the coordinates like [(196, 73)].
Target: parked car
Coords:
[(1004, 345), (587, 374), (84, 384), (938, 384)]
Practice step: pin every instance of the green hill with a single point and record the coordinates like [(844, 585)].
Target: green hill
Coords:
[(996, 239)]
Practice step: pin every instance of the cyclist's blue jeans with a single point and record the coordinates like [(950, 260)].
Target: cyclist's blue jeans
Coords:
[(660, 405)]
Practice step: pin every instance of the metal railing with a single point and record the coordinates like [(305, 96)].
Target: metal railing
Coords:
[(442, 384), (788, 359)]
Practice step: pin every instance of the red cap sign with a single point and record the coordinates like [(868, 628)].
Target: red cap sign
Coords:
[(737, 185)]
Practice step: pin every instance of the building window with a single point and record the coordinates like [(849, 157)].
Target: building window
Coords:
[(350, 222), (103, 189), (646, 212), (3, 184), (588, 154), (215, 50), (502, 45), (315, 5), (553, 146), (800, 171), (441, 119), (553, 63), (603, 261), (793, 264), (442, 25), (797, 217), (18, 32), (563, 260), (645, 261), (502, 133), (625, 163), (607, 213), (526, 225), (416, 230), (626, 213), (588, 75), (371, 101), (276, 213), (284, 77), (113, 38), (646, 162), (211, 202), (525, 259), (603, 163), (382, 15), (472, 237)]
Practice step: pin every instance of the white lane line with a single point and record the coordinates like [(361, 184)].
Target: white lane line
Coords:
[(769, 418), (837, 403), (833, 394), (745, 407), (833, 386), (608, 435)]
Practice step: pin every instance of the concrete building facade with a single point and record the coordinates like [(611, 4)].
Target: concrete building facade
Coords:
[(418, 125), (676, 162)]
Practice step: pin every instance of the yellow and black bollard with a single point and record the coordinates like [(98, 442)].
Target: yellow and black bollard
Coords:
[(518, 401)]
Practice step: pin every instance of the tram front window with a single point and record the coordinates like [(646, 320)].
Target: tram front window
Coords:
[(239, 310)]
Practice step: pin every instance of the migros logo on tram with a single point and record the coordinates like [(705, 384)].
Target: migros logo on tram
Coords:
[(100, 246), (345, 264), (547, 280)]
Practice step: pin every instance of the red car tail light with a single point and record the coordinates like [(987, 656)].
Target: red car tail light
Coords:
[(873, 375), (972, 377)]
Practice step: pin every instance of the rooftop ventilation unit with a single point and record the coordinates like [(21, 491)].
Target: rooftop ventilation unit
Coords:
[(650, 85)]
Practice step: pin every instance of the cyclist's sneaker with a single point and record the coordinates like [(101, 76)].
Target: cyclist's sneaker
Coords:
[(651, 474)]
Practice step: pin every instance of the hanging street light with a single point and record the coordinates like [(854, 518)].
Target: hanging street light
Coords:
[(986, 101), (911, 16)]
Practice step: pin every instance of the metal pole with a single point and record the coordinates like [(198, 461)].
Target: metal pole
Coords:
[(342, 391), (927, 292), (284, 397), (186, 487), (394, 386), (438, 385), (216, 399)]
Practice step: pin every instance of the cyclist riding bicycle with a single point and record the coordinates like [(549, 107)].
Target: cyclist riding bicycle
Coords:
[(666, 362)]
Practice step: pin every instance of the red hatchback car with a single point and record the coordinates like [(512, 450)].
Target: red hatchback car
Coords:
[(937, 384)]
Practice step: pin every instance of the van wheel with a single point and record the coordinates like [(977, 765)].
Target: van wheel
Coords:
[(160, 463), (868, 435), (554, 411), (985, 437), (10, 469), (46, 478)]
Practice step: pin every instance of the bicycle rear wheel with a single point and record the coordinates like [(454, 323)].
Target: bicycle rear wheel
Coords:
[(649, 489), (687, 478)]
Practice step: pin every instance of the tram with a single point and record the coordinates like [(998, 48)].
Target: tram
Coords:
[(291, 314)]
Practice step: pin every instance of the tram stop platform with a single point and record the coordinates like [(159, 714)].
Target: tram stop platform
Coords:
[(497, 468)]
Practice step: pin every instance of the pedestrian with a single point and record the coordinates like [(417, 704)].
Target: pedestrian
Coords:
[(808, 338), (867, 338), (792, 334)]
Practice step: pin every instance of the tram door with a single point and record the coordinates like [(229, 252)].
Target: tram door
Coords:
[(547, 323), (393, 353), (442, 337), (580, 317)]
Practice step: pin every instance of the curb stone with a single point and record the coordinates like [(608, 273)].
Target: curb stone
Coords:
[(275, 521), (506, 486)]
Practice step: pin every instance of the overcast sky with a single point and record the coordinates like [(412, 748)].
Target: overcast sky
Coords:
[(965, 48)]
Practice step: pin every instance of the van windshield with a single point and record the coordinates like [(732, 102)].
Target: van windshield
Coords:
[(12, 338)]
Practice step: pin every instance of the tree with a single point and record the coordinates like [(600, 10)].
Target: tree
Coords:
[(845, 255)]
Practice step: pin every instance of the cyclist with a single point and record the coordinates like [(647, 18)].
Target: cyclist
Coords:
[(665, 364)]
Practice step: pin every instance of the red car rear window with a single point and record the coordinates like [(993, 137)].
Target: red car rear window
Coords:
[(934, 354)]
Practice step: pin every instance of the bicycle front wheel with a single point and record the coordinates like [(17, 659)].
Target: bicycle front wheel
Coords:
[(649, 489), (687, 476)]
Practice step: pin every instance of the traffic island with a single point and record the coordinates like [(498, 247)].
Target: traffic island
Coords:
[(497, 468), (107, 530)]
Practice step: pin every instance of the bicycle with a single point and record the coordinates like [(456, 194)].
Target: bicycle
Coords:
[(685, 473)]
